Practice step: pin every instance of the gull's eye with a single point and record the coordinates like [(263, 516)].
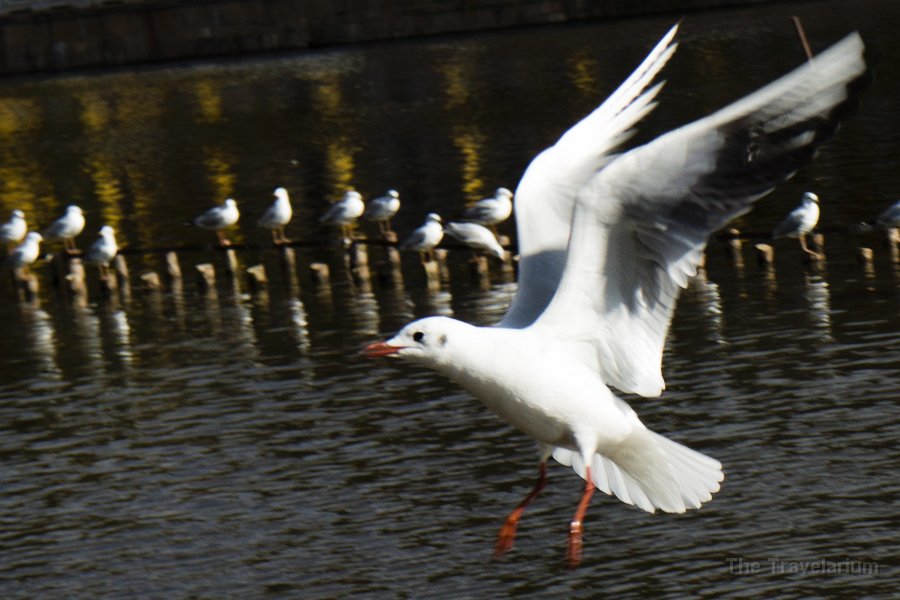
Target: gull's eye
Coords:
[(418, 336)]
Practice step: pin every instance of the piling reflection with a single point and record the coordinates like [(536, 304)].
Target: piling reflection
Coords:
[(818, 299)]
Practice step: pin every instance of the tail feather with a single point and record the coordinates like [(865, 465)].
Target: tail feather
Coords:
[(651, 472)]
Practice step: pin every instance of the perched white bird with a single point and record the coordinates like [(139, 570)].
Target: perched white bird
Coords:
[(218, 218), (13, 231), (608, 239), (25, 253), (424, 238), (800, 222), (66, 228), (477, 237), (277, 216), (890, 217), (345, 212), (491, 211), (382, 209), (103, 250)]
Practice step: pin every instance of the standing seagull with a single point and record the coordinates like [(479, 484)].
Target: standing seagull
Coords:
[(13, 231), (607, 242), (382, 209), (477, 237), (424, 238), (491, 211), (345, 212), (218, 218), (277, 216), (800, 222), (103, 250), (25, 253), (66, 228)]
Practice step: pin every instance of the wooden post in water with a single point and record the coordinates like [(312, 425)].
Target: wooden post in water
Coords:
[(75, 281), (150, 281), (866, 257), (320, 274), (735, 248), (816, 242), (256, 278), (765, 254), (121, 269), (480, 270), (173, 268), (893, 239), (440, 256), (26, 285), (231, 263), (108, 283), (206, 278), (359, 264), (288, 261)]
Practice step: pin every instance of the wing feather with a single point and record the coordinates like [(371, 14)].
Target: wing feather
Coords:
[(640, 225), (545, 197)]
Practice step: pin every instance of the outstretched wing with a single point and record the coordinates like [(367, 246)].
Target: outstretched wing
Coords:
[(641, 224), (545, 197)]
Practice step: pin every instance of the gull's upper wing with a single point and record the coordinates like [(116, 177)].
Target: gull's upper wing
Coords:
[(640, 224), (545, 197)]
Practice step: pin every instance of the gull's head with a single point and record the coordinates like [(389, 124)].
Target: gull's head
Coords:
[(74, 210), (34, 237), (280, 193), (503, 192), (106, 231), (18, 214), (430, 341), (809, 197), (393, 193), (434, 217)]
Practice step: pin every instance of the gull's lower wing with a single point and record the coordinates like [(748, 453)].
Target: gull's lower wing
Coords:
[(545, 197), (640, 225)]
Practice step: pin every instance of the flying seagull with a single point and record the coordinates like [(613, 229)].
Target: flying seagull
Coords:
[(607, 241)]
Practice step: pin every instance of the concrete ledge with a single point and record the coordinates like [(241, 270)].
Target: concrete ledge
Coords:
[(54, 35)]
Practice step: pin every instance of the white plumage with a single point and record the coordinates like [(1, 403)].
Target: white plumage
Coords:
[(14, 230), (477, 237), (426, 237), (607, 240), (104, 248), (218, 218), (278, 215), (25, 253), (491, 211), (800, 221), (66, 228), (345, 212), (382, 209)]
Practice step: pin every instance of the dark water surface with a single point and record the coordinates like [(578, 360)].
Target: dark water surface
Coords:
[(238, 446)]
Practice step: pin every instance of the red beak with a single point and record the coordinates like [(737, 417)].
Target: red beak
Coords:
[(381, 349)]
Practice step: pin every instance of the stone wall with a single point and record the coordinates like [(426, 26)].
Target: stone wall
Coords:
[(50, 35)]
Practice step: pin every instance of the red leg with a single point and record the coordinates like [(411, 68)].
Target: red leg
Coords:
[(508, 532), (577, 526)]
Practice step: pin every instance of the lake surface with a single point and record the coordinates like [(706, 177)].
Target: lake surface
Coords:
[(236, 445)]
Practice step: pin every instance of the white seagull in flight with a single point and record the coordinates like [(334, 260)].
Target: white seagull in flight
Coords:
[(607, 241)]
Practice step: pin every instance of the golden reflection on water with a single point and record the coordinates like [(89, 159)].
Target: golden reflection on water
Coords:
[(468, 139), (21, 181), (340, 151)]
